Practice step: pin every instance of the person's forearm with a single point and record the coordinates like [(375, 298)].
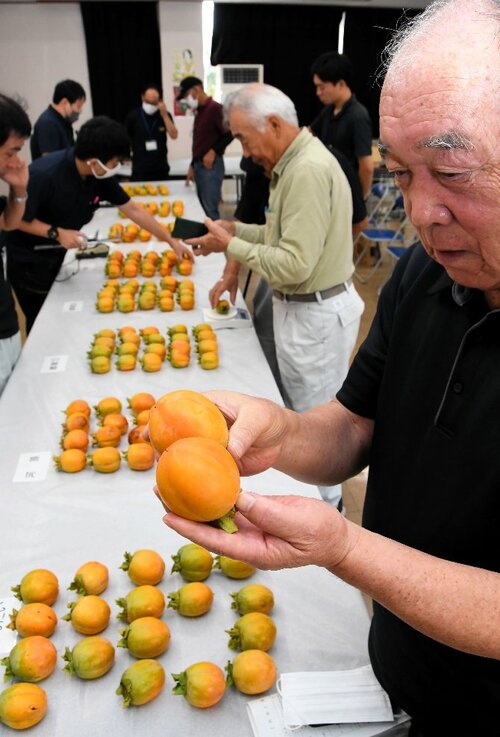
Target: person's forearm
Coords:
[(365, 173), (13, 213), (170, 126), (145, 220), (35, 227), (455, 604), (325, 445)]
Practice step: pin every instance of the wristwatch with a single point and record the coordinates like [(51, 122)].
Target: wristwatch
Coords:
[(52, 233)]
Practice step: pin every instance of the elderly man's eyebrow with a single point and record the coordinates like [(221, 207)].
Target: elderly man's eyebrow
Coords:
[(449, 141), (383, 149)]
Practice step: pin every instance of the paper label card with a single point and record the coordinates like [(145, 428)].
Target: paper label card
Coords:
[(8, 638), (54, 364), (33, 466), (73, 306)]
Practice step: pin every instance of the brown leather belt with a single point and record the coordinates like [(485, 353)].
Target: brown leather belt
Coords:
[(314, 296)]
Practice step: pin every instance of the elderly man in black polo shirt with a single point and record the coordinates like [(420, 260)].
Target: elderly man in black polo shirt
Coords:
[(53, 130), (65, 189), (420, 405)]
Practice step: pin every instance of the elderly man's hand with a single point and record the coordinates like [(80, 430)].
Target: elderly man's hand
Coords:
[(227, 283), (258, 428), (216, 240), (277, 532), (17, 177)]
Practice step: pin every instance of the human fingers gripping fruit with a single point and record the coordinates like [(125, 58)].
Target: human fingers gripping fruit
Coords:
[(193, 562), (198, 479), (192, 600), (91, 657), (202, 684), (144, 567), (141, 682), (252, 672), (90, 578)]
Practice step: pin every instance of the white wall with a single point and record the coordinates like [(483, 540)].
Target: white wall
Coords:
[(180, 29), (41, 44)]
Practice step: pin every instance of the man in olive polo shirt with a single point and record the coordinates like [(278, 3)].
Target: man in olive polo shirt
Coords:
[(304, 250)]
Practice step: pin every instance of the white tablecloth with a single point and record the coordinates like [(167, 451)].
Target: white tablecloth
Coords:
[(64, 520)]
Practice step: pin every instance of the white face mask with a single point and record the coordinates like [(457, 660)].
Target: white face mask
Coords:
[(149, 109), (107, 172), (191, 102)]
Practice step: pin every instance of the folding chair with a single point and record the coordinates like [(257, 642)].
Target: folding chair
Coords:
[(379, 237)]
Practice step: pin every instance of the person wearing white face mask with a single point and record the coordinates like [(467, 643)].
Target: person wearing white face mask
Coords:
[(148, 127), (210, 138), (64, 191), (53, 130)]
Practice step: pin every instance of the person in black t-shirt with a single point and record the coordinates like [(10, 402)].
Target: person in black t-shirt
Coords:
[(344, 123), (53, 130), (420, 406), (15, 128), (148, 127), (65, 189)]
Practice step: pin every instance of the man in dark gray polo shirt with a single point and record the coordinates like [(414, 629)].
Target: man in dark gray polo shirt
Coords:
[(53, 130)]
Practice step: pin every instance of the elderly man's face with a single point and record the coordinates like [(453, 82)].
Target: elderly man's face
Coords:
[(260, 145), (440, 137)]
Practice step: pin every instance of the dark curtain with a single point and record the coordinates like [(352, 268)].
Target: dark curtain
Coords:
[(366, 32), (285, 39), (123, 53)]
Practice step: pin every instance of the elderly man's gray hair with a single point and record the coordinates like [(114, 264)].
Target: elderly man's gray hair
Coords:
[(258, 102), (401, 47)]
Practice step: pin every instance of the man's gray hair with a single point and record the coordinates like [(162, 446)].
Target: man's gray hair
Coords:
[(258, 102), (401, 48)]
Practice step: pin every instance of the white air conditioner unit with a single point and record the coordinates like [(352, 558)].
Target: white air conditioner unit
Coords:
[(231, 77)]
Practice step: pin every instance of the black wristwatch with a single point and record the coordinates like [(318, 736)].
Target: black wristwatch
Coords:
[(52, 233)]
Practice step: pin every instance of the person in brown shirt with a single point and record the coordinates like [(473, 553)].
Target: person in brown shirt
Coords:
[(210, 138)]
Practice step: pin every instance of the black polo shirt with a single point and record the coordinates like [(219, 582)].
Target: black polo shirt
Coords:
[(141, 128), (350, 131), (59, 196), (428, 374), (8, 316), (51, 133)]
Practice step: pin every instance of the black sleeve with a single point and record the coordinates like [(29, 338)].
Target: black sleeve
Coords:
[(317, 124), (39, 192), (223, 143), (358, 203), (3, 204), (130, 124), (48, 136), (359, 392), (111, 191)]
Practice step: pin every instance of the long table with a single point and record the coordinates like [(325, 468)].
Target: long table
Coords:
[(59, 521)]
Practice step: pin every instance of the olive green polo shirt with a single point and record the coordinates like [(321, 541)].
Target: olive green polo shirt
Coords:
[(306, 243)]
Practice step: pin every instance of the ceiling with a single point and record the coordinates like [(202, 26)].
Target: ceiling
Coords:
[(345, 3)]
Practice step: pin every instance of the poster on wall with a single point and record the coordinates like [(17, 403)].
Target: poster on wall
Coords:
[(183, 66)]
